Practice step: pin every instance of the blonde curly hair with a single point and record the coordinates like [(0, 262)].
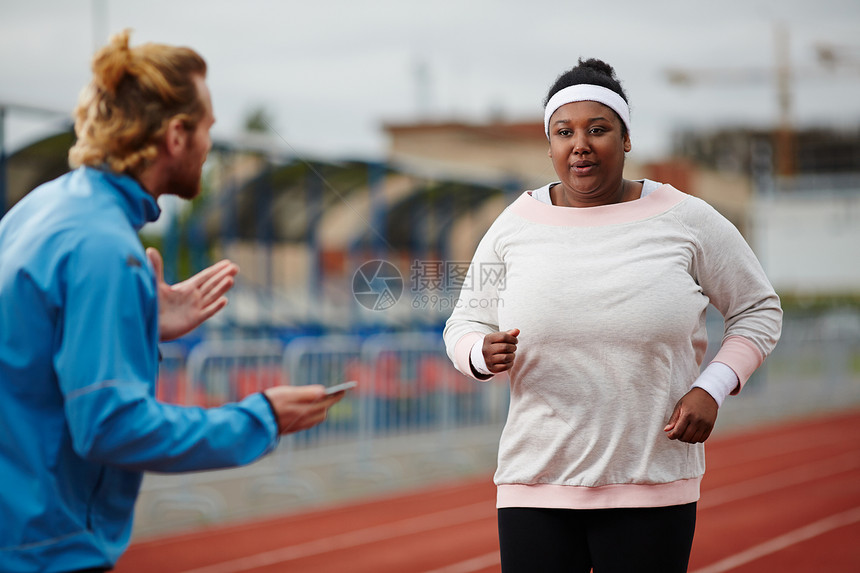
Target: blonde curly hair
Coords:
[(122, 115)]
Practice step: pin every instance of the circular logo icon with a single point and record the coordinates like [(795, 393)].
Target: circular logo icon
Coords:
[(377, 285)]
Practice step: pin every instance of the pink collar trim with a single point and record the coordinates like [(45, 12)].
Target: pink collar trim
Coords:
[(659, 201)]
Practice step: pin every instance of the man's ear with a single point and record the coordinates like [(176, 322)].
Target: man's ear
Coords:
[(175, 137)]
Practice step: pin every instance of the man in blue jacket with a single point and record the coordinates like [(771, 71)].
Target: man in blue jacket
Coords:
[(82, 309)]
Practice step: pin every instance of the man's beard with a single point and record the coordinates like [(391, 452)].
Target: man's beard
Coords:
[(186, 182)]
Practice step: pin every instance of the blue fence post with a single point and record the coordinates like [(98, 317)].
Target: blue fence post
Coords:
[(378, 211), (314, 200), (2, 160)]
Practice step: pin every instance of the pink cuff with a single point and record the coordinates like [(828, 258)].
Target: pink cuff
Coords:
[(462, 350), (742, 356)]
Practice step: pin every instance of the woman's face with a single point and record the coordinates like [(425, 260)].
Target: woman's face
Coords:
[(587, 149)]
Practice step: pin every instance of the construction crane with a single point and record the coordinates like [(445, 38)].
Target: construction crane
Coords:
[(784, 139), (834, 56)]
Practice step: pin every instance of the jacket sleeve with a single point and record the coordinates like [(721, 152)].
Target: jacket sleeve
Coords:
[(733, 279), (106, 360), (476, 311)]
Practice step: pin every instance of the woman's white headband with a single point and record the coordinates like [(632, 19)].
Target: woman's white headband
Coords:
[(586, 92)]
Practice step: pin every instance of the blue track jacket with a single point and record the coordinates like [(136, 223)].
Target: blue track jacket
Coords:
[(78, 363)]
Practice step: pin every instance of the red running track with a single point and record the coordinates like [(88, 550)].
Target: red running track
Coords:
[(781, 498)]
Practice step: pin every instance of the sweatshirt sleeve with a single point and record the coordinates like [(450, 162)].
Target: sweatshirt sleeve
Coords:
[(106, 364), (732, 278), (476, 311)]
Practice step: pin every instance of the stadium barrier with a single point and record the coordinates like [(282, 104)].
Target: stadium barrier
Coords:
[(406, 383), (407, 393)]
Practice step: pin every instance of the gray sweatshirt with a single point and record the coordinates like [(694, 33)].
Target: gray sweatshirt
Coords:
[(610, 302)]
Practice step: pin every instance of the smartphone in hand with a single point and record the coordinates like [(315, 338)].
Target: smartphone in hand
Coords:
[(340, 387)]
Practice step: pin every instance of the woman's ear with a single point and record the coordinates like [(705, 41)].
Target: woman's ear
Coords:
[(627, 145)]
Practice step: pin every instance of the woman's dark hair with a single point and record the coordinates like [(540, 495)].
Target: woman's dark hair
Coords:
[(591, 71)]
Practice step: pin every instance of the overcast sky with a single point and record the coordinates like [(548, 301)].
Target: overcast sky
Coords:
[(331, 72)]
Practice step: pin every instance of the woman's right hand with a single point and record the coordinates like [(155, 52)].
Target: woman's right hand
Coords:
[(499, 350)]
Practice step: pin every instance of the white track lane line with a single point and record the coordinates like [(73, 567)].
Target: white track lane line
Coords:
[(786, 540), (778, 480), (472, 565), (384, 532), (740, 454), (716, 497), (475, 512)]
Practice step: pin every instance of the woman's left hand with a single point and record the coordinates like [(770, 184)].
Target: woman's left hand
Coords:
[(693, 418), (186, 305)]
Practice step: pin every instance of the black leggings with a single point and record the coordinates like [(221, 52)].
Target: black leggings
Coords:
[(634, 540)]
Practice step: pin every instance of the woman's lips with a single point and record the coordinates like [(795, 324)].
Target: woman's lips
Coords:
[(583, 167)]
